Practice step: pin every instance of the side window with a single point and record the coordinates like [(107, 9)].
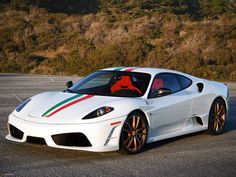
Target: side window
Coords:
[(184, 81), (164, 84)]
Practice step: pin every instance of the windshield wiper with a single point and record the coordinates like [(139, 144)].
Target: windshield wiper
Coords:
[(70, 91)]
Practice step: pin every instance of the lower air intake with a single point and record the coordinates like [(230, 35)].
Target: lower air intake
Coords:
[(71, 139), (35, 140), (15, 132)]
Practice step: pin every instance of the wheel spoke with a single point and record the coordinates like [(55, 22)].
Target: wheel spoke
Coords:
[(137, 123), (221, 118), (133, 122), (127, 139), (140, 129), (214, 126), (217, 107), (219, 122), (222, 121), (217, 126), (135, 143), (220, 110), (128, 131), (130, 142), (139, 143), (222, 113), (128, 125)]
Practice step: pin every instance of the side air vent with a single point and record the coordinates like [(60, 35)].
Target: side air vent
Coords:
[(200, 86), (199, 120)]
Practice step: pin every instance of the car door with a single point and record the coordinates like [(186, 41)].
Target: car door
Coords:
[(169, 110), (203, 98)]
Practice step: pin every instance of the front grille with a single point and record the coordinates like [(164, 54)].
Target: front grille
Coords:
[(15, 132), (35, 140), (71, 139)]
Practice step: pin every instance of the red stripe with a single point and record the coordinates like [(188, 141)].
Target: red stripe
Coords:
[(70, 104), (130, 69), (114, 123)]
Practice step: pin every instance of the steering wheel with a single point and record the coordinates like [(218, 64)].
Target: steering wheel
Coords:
[(135, 89)]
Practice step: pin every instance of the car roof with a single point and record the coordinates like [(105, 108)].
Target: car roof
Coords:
[(152, 71)]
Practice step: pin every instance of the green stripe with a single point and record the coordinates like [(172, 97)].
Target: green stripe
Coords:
[(118, 69), (61, 103)]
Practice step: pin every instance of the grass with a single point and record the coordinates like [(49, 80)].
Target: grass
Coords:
[(48, 39)]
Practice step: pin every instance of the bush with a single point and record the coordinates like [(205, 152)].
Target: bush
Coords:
[(78, 37)]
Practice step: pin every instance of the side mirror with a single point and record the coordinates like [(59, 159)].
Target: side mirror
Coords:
[(160, 92), (69, 84)]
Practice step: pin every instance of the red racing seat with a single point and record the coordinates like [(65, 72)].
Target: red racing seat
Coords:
[(157, 84), (124, 83)]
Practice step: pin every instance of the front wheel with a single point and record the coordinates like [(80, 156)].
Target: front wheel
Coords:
[(134, 133), (217, 117)]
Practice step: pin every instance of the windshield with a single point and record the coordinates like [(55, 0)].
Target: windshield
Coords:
[(113, 83)]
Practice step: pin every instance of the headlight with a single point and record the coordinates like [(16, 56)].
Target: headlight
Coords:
[(22, 105), (99, 112)]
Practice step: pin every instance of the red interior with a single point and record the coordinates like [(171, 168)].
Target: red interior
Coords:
[(124, 83), (157, 83)]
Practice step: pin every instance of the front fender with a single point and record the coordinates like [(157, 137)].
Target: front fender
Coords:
[(122, 108)]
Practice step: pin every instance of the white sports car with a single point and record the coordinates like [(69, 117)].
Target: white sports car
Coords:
[(121, 108)]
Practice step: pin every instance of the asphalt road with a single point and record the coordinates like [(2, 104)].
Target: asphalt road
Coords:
[(196, 155)]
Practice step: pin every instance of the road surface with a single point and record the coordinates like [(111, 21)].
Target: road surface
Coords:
[(196, 155)]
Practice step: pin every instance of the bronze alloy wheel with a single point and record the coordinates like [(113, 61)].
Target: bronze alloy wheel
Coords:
[(134, 133), (217, 117)]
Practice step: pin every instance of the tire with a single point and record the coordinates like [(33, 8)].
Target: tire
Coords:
[(134, 134), (217, 117)]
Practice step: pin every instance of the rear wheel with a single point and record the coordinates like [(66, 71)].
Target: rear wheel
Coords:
[(134, 133), (217, 117)]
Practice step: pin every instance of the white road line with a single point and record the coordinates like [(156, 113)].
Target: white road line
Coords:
[(9, 174), (37, 77), (16, 97), (51, 79)]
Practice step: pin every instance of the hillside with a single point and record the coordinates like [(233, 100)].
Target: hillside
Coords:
[(78, 37)]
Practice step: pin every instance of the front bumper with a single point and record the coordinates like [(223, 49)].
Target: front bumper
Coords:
[(103, 136)]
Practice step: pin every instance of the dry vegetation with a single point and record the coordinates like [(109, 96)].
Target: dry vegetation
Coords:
[(39, 38)]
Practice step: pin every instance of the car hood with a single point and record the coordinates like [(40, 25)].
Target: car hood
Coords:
[(62, 107)]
